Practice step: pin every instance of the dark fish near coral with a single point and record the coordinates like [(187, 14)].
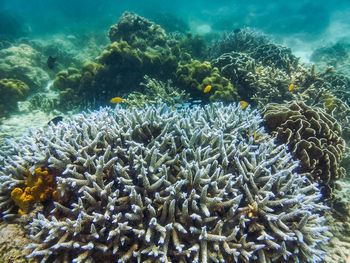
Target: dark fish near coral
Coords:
[(237, 30), (55, 120), (51, 62)]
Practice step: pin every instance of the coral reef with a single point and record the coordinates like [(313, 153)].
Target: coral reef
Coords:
[(125, 60), (194, 45), (272, 86), (155, 91), (313, 137), (139, 48), (12, 91), (339, 110), (71, 50), (260, 84), (275, 55), (258, 46), (137, 31), (330, 55), (241, 40), (194, 76), (39, 186), (255, 83), (339, 85), (235, 66), (25, 64), (155, 185)]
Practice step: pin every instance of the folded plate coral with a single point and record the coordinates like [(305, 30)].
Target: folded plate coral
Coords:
[(313, 137), (201, 184)]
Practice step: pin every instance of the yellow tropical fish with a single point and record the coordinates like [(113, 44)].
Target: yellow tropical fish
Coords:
[(244, 104), (116, 100), (259, 68), (254, 136), (291, 87), (207, 89)]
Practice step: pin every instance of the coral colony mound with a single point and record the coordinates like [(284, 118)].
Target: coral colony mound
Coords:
[(199, 184)]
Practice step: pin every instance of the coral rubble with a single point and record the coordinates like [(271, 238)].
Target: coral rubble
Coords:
[(200, 184)]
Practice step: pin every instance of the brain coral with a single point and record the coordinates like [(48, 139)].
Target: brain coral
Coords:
[(157, 185), (313, 137)]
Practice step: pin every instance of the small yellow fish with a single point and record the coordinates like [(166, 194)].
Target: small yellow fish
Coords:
[(207, 89), (173, 108), (291, 87), (244, 104), (254, 136), (268, 61), (116, 100), (259, 68)]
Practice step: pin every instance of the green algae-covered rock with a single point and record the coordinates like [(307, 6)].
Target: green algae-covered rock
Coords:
[(11, 90)]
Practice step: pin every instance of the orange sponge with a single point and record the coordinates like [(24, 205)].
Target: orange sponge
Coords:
[(40, 186)]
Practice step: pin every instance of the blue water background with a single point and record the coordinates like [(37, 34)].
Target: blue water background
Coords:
[(306, 20)]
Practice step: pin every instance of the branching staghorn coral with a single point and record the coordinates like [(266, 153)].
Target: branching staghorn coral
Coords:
[(278, 56), (201, 184), (241, 40), (155, 90), (258, 46), (255, 83), (235, 66)]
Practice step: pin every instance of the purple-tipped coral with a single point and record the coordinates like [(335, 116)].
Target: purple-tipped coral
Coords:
[(156, 185)]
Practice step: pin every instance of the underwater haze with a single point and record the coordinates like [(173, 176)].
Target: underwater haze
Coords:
[(307, 19)]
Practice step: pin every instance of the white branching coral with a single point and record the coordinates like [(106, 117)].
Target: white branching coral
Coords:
[(202, 184)]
